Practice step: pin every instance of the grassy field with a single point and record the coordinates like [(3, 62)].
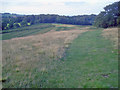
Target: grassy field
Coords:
[(26, 31), (36, 29), (88, 64), (64, 56)]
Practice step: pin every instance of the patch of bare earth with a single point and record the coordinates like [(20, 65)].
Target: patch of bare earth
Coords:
[(112, 34), (24, 53)]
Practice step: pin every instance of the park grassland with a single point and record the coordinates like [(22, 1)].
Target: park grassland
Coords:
[(64, 56), (36, 29)]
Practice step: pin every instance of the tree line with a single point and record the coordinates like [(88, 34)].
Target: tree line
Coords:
[(14, 21), (110, 17)]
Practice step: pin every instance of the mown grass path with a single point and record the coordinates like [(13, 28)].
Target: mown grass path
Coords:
[(91, 61)]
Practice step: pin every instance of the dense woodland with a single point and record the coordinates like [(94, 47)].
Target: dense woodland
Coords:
[(108, 18)]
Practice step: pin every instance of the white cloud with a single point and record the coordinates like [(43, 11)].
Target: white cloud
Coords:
[(55, 6), (46, 1)]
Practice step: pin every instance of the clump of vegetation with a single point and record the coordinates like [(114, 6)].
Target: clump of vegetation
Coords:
[(4, 79), (110, 17)]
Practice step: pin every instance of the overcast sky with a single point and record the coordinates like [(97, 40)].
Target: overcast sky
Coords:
[(61, 7)]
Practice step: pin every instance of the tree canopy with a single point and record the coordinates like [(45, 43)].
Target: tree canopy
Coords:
[(13, 20), (110, 17)]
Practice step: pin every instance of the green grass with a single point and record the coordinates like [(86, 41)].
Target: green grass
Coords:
[(74, 27), (64, 28), (26, 31), (89, 62), (94, 28), (34, 29)]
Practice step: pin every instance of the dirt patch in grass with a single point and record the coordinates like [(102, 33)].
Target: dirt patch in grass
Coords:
[(112, 34)]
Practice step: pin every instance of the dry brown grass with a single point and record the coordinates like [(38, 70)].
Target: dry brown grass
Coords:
[(24, 52), (64, 25), (112, 34)]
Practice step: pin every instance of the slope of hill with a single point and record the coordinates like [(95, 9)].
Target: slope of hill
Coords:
[(81, 57), (25, 31), (36, 29)]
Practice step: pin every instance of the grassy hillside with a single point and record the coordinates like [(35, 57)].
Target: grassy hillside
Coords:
[(26, 31), (65, 56), (88, 63), (37, 29)]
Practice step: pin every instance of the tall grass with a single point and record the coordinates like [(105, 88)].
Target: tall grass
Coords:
[(56, 59)]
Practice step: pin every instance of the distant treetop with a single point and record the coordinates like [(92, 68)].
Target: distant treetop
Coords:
[(110, 17)]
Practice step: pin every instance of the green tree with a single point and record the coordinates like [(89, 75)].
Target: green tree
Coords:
[(109, 17), (16, 25), (23, 23)]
